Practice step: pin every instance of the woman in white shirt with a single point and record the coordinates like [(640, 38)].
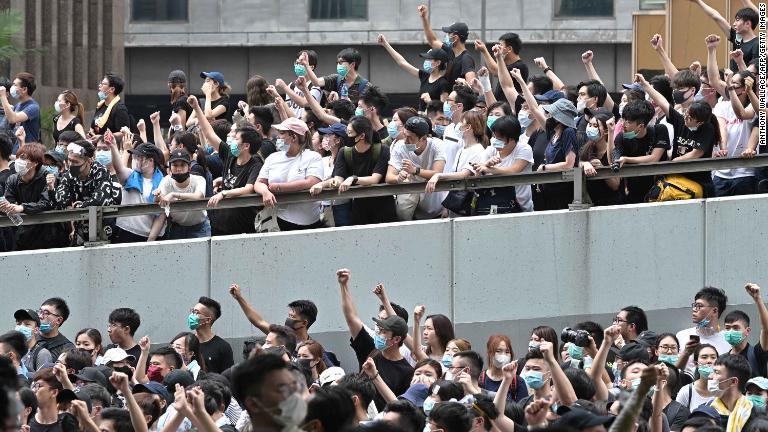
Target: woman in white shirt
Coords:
[(697, 393), (292, 168)]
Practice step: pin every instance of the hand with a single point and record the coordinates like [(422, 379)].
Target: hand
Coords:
[(382, 40), (589, 170), (495, 160), (145, 344), (369, 368), (119, 381), (480, 45), (235, 292), (482, 72), (304, 60), (3, 93), (21, 134), (333, 96), (50, 181), (515, 72), (540, 62), (423, 11), (279, 83), (712, 41), (640, 79), (587, 57), (127, 134), (510, 370), (432, 183), (409, 166), (180, 401), (174, 119), (498, 52), (695, 67), (346, 184), (749, 83), (316, 189), (727, 74), (656, 42), (426, 97), (662, 375), (60, 372), (748, 154), (753, 290), (611, 123), (141, 125), (301, 83), (418, 312), (690, 347), (196, 398), (546, 348), (611, 333), (272, 91), (536, 412), (647, 379), (207, 88), (721, 153), (379, 292), (214, 201), (192, 101), (269, 200), (342, 276), (464, 379), (109, 138), (736, 55), (154, 118), (166, 200), (477, 86), (79, 409)]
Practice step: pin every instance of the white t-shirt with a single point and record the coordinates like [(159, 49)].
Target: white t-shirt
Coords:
[(196, 184), (738, 132), (298, 110), (523, 152), (139, 225), (429, 204), (695, 398), (717, 340), (280, 168), (452, 143)]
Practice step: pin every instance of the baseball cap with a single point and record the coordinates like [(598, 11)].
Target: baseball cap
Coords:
[(459, 28), (416, 394), (705, 411), (634, 351), (177, 376), (579, 419), (435, 54), (115, 355), (66, 395), (294, 125), (331, 375), (594, 111), (760, 382), (336, 129), (91, 374), (418, 125), (177, 77), (179, 154), (216, 76), (563, 111), (53, 157), (154, 388), (550, 96), (146, 150), (633, 86), (27, 314), (393, 323)]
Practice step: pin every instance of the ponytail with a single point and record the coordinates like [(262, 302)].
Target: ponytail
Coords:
[(80, 113)]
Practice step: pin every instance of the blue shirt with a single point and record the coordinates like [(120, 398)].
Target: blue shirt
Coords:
[(558, 150), (32, 124)]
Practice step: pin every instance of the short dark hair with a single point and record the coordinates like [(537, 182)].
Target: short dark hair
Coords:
[(465, 96), (473, 360), (399, 311), (6, 146), (15, 341), (98, 393), (248, 376), (211, 304), (639, 111), (533, 354), (333, 407), (127, 317), (507, 127), (29, 400), (451, 416), (595, 89), (214, 395), (434, 106), (342, 108), (663, 85), (541, 84), (249, 134), (285, 336), (636, 316), (70, 137), (120, 418), (359, 384), (373, 96), (170, 354), (513, 41), (485, 408), (78, 359), (595, 330), (581, 383), (500, 104), (411, 419), (698, 422), (221, 128), (686, 78), (306, 309), (311, 56), (737, 315), (713, 295), (738, 367), (28, 81), (263, 116), (361, 125), (115, 81), (748, 14), (60, 305), (350, 55)]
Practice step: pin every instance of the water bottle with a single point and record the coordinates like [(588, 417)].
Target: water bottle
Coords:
[(344, 92), (15, 219)]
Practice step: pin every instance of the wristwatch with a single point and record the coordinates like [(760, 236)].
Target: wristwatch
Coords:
[(223, 194), (418, 170), (354, 180)]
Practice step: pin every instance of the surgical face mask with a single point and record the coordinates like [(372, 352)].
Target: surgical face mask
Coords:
[(208, 149), (26, 331), (51, 169), (22, 167), (102, 95), (439, 130), (575, 352), (281, 145), (60, 149), (593, 133), (104, 157), (392, 130), (292, 411), (679, 96), (447, 40), (14, 92), (497, 143), (699, 96), (734, 337), (429, 403), (705, 371), (193, 321), (46, 327), (533, 346), (499, 360), (154, 373), (447, 109), (534, 379), (57, 106), (634, 383), (669, 358), (449, 376), (359, 112), (629, 135), (713, 386), (342, 70), (446, 361), (427, 66), (410, 147), (756, 400), (621, 109), (233, 148), (299, 70), (524, 119), (739, 38), (490, 121), (580, 106), (379, 342), (693, 128)]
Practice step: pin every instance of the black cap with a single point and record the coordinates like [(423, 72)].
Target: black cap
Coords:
[(393, 323), (418, 125), (179, 154), (27, 314), (66, 395), (634, 351), (459, 28), (177, 376), (154, 388), (91, 374), (146, 150), (591, 112), (435, 54), (580, 419), (52, 157)]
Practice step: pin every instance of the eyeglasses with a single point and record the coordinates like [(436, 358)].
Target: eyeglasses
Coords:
[(37, 385), (697, 306), (288, 389), (668, 347), (44, 313), (114, 325), (618, 320)]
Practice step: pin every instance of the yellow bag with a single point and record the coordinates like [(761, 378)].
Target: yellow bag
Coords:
[(674, 187)]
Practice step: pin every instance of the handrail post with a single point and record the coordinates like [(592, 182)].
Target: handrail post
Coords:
[(96, 236), (581, 199)]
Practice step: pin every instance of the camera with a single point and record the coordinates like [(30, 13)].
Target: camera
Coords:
[(576, 337), (615, 166)]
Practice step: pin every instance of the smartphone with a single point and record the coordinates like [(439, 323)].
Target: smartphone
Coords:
[(695, 338)]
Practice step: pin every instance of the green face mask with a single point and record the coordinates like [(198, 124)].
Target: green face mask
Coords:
[(575, 352), (734, 337), (756, 400), (193, 321), (669, 358)]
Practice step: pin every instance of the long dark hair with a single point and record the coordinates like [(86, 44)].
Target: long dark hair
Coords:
[(256, 91), (550, 335), (701, 111), (94, 335), (192, 344), (443, 329)]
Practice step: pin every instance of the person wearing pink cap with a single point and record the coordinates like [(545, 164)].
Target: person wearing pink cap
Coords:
[(293, 167)]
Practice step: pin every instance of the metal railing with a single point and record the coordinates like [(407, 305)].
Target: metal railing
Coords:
[(96, 215)]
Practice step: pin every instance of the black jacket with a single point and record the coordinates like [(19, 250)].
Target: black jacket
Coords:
[(34, 197)]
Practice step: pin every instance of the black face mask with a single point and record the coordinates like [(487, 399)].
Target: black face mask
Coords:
[(304, 363), (180, 178), (124, 369), (678, 96), (76, 170), (289, 322)]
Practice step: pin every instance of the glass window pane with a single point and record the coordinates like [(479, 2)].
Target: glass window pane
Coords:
[(159, 10), (338, 9), (583, 8)]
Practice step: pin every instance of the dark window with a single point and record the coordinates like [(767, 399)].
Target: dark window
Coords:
[(583, 8), (653, 4), (159, 10), (338, 9)]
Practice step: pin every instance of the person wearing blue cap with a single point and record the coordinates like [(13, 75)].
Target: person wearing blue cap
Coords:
[(216, 92), (335, 212), (454, 45)]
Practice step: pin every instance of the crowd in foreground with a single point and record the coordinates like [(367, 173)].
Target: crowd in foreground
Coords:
[(619, 376), (321, 132)]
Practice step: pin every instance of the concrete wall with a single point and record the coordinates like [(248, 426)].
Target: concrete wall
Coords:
[(496, 274)]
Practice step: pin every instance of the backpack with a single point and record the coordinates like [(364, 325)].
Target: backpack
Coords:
[(360, 86), (348, 154), (674, 187)]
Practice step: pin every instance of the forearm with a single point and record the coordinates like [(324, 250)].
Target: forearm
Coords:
[(669, 68), (657, 423), (253, 316), (10, 114), (122, 171), (763, 312), (316, 108), (430, 35), (205, 126), (137, 416), (188, 196), (157, 226), (298, 185), (563, 389), (383, 389), (712, 71), (533, 106), (245, 190), (173, 423), (490, 62), (658, 99), (598, 369), (628, 415), (724, 25), (417, 352), (500, 399), (205, 423), (753, 99), (140, 373), (87, 424), (557, 83), (749, 4), (320, 82), (299, 100)]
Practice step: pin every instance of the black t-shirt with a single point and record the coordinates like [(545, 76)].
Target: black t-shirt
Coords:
[(760, 358), (397, 374), (458, 66), (214, 165), (538, 142), (380, 135), (118, 118), (434, 89), (499, 93), (182, 105), (217, 353), (656, 137), (56, 345), (235, 220), (224, 101), (34, 426), (599, 191), (69, 127), (751, 49), (687, 141), (363, 164)]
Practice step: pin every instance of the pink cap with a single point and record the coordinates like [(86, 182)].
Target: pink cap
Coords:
[(294, 125)]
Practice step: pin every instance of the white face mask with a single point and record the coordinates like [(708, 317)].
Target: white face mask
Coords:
[(292, 410), (21, 166), (500, 360), (713, 386)]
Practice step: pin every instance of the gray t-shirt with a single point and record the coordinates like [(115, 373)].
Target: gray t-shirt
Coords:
[(196, 185)]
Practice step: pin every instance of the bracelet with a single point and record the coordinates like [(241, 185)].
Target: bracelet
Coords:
[(177, 128), (548, 69), (418, 170), (375, 376)]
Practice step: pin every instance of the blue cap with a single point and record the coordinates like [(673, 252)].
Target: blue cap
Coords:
[(155, 388), (416, 394), (706, 411), (337, 129), (633, 86), (216, 76), (550, 96)]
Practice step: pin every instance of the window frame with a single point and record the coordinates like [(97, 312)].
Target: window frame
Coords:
[(556, 17), (311, 19), (133, 19)]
